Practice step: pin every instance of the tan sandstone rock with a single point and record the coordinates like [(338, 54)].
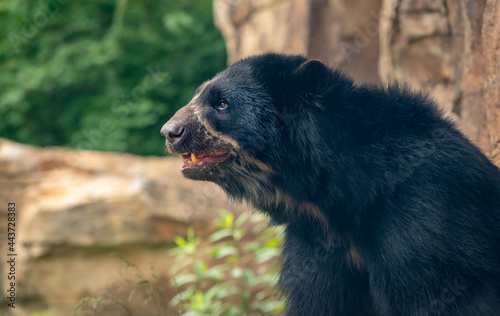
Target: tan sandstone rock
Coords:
[(449, 48), (76, 207), (491, 86), (342, 33)]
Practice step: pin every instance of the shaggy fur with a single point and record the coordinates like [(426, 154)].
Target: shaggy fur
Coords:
[(389, 210)]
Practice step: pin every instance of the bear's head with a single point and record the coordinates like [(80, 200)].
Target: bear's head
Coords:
[(249, 121)]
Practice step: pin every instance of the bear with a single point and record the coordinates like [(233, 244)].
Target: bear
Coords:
[(388, 209)]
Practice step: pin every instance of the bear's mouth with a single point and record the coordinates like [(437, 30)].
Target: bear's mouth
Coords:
[(200, 161)]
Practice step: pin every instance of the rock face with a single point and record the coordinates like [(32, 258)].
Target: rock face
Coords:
[(446, 47), (74, 208), (324, 29), (491, 85), (449, 48), (254, 26)]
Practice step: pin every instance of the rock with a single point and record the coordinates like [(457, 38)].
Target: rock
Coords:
[(83, 204), (342, 33), (448, 48), (421, 5), (491, 86), (416, 25), (255, 26), (439, 46)]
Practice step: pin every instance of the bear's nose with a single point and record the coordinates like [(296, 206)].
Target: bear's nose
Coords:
[(173, 132)]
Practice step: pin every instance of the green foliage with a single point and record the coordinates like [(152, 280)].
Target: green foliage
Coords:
[(102, 74), (231, 274)]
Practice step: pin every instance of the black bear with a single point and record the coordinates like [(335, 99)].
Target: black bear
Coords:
[(389, 209)]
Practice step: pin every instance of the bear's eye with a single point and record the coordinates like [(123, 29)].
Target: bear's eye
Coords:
[(222, 105)]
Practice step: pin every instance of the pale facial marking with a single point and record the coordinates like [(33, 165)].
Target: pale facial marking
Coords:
[(201, 91), (210, 128)]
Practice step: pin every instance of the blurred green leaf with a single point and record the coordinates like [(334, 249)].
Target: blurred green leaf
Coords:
[(199, 268), (103, 76), (242, 218), (224, 251), (238, 277), (220, 234), (82, 302), (249, 276), (216, 273), (198, 300), (131, 295), (228, 220), (184, 279), (190, 234), (236, 272), (272, 243), (244, 300), (179, 241), (238, 233)]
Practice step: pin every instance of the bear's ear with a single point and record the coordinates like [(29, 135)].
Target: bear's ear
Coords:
[(312, 76)]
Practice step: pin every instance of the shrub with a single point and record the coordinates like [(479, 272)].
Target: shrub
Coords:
[(231, 272), (234, 273), (79, 74)]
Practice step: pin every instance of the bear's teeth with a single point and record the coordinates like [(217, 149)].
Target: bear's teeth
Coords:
[(194, 159)]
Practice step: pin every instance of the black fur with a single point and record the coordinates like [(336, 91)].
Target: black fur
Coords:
[(389, 210)]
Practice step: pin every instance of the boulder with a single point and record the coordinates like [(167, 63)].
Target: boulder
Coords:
[(342, 33), (449, 48), (84, 205)]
